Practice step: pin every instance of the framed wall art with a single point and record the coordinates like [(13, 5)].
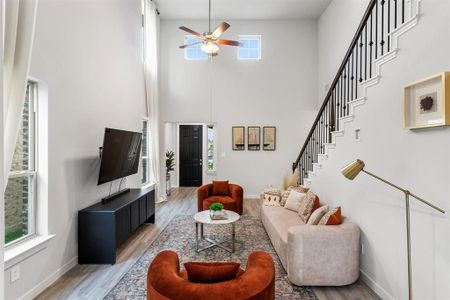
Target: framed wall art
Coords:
[(238, 138), (254, 138), (269, 138), (426, 103)]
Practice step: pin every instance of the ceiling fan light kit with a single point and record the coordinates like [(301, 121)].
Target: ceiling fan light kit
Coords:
[(210, 40)]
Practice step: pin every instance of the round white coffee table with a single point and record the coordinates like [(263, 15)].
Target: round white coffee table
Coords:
[(202, 218)]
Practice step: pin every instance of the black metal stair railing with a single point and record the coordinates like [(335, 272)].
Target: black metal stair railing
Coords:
[(371, 41)]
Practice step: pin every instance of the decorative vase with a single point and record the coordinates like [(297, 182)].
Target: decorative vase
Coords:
[(214, 214), (168, 184)]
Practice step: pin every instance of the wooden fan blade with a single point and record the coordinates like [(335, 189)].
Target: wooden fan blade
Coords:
[(229, 43), (192, 32), (189, 45), (220, 29)]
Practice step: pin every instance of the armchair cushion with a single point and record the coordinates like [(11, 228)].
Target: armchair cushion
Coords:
[(220, 188), (211, 272), (228, 202)]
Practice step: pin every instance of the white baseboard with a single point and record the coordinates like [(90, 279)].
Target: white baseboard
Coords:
[(375, 286), (40, 287)]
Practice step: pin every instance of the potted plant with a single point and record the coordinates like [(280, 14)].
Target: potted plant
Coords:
[(170, 166), (215, 210)]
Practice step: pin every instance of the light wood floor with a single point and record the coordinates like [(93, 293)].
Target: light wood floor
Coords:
[(95, 281)]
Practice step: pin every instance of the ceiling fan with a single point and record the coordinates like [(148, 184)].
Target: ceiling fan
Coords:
[(210, 40)]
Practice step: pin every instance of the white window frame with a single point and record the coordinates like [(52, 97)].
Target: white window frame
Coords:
[(214, 142), (186, 37), (147, 157), (32, 173), (251, 37)]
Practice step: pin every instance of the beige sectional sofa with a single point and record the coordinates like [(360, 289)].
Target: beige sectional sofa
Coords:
[(312, 254)]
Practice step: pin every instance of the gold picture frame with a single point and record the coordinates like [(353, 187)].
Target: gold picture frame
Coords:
[(238, 138), (269, 138), (253, 138), (426, 103)]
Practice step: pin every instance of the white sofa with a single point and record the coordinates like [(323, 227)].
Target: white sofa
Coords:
[(311, 254)]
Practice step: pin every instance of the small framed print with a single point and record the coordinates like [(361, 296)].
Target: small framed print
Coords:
[(269, 138), (426, 103), (254, 138), (238, 138)]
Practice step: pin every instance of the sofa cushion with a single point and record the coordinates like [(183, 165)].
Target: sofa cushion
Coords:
[(271, 200), (285, 194), (294, 200), (277, 220), (220, 188), (308, 204), (317, 215), (211, 272), (228, 202), (332, 217)]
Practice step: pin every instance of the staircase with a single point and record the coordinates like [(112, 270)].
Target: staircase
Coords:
[(374, 44)]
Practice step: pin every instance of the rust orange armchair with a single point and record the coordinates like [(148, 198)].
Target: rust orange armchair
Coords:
[(231, 197), (165, 281)]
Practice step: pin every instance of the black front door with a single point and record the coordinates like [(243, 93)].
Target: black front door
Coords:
[(191, 155)]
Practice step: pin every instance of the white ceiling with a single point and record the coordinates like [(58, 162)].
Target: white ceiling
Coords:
[(242, 9)]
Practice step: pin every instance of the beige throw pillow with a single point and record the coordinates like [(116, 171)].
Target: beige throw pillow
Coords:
[(317, 215), (271, 200), (308, 205), (285, 194), (294, 200)]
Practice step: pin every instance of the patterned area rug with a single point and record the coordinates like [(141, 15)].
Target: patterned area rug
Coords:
[(179, 236)]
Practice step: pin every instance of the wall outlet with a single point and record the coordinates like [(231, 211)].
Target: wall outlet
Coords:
[(362, 249), (15, 273)]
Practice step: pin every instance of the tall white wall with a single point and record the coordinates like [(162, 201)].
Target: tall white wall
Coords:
[(417, 160), (275, 91), (89, 53), (2, 200), (337, 26)]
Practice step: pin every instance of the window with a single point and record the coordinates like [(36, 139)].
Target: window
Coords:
[(20, 193), (250, 48), (210, 149), (145, 165), (194, 52)]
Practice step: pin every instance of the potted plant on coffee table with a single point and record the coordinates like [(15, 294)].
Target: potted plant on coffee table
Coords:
[(216, 211)]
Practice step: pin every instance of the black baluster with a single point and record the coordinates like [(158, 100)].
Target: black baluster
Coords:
[(360, 59), (340, 96), (389, 26), (348, 86), (371, 45), (376, 29), (344, 79), (352, 78), (403, 11), (395, 13), (382, 27), (365, 53), (334, 124)]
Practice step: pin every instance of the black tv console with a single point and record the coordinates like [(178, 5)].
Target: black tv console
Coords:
[(103, 227)]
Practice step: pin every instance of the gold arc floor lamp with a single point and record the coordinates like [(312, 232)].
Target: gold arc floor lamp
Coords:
[(353, 169)]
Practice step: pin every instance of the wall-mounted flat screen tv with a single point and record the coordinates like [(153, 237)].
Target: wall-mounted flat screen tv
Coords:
[(120, 154)]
